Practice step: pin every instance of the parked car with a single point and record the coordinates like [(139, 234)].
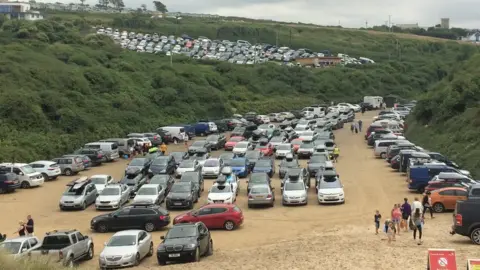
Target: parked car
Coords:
[(150, 193), (19, 247), (222, 192), (113, 197), (162, 165), (8, 182), (126, 248), (80, 193), (252, 156), (466, 220), (96, 156), (232, 142), (240, 166), (26, 175), (101, 181), (216, 141), (199, 145), (214, 216), (194, 238), (259, 178), (148, 217), (164, 180), (446, 198), (190, 165), (196, 178), (212, 167), (261, 195), (330, 190), (49, 169), (140, 164), (241, 148), (265, 165), (294, 192), (182, 195)]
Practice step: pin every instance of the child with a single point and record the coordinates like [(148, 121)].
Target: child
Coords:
[(391, 232), (377, 218)]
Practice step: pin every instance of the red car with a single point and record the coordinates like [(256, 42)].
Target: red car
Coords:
[(232, 142), (214, 216), (296, 144), (265, 148)]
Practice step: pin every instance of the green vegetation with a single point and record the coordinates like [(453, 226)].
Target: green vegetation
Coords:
[(447, 118), (436, 32), (8, 263), (63, 86)]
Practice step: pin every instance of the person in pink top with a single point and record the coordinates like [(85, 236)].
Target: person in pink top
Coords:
[(396, 217)]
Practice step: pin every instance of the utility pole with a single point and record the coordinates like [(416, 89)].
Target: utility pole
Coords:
[(390, 23)]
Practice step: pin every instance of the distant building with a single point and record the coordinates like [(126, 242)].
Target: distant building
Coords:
[(19, 10), (197, 15), (445, 23), (472, 37), (407, 25)]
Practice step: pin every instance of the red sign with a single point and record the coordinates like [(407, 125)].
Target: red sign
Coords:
[(473, 264), (441, 259)]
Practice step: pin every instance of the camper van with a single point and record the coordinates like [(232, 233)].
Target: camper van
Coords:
[(375, 101)]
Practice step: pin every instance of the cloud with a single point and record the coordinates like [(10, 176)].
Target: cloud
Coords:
[(350, 13)]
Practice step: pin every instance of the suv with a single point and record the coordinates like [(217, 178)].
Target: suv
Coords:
[(67, 246), (70, 165), (8, 182), (297, 174), (182, 195), (27, 176), (145, 216), (48, 169), (96, 156), (185, 242), (80, 193)]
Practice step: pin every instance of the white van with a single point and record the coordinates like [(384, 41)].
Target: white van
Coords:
[(376, 101), (175, 132), (313, 112), (27, 176), (110, 149)]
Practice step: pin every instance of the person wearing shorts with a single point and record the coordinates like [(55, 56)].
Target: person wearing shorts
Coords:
[(396, 217), (406, 213)]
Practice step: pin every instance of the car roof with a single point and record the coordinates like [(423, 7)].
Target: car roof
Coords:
[(43, 162), (149, 185), (449, 188), (127, 232), (447, 175), (100, 176), (213, 205)]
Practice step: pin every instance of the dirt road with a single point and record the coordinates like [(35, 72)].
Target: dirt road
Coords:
[(304, 237)]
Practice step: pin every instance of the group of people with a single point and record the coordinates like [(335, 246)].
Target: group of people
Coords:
[(143, 149), (406, 217), (356, 127), (25, 227)]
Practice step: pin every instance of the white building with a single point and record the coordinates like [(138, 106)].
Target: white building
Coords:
[(19, 10)]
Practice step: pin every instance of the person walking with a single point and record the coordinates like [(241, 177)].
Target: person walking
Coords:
[(163, 148), (377, 217), (356, 128), (406, 213), (336, 154), (396, 217), (352, 127), (416, 204), (417, 226), (21, 228), (360, 123), (427, 204), (30, 224)]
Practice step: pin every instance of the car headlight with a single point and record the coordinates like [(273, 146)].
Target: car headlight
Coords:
[(161, 248), (190, 246), (128, 255)]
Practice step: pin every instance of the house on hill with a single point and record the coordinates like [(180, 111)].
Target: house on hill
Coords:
[(19, 10)]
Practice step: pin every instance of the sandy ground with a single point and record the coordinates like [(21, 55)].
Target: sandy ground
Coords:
[(305, 237)]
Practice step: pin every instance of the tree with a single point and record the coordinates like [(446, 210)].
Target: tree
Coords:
[(103, 3), (118, 4), (83, 2), (144, 7), (160, 7)]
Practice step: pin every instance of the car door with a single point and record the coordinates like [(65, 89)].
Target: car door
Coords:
[(449, 198), (81, 246), (203, 233), (143, 245), (205, 215), (121, 219), (75, 247), (218, 217), (91, 194), (125, 194)]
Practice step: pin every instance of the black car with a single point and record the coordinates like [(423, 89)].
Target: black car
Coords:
[(196, 178), (185, 242), (154, 137), (96, 156), (8, 181), (258, 178), (182, 195), (238, 132), (165, 135), (164, 180), (252, 156), (199, 145), (148, 217), (316, 163), (162, 165), (367, 106), (227, 158), (325, 174), (216, 141), (285, 165), (139, 163), (179, 156)]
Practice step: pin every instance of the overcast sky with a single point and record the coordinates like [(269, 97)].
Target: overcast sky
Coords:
[(350, 13)]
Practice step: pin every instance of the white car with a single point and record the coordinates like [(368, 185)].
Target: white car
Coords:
[(264, 119), (282, 150), (241, 148), (49, 169), (26, 175), (212, 167), (307, 136), (189, 165), (143, 141), (101, 181), (276, 117), (294, 193), (151, 193), (330, 190), (222, 193), (113, 197), (299, 130), (126, 248)]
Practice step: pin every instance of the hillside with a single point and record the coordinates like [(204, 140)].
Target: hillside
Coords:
[(63, 86), (447, 117)]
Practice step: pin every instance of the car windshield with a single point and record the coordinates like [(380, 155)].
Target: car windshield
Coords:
[(235, 139), (300, 128), (99, 180), (159, 180), (147, 191), (306, 145), (27, 169), (318, 159), (181, 232), (332, 184), (187, 164), (11, 247), (284, 147), (252, 154), (263, 163), (122, 240), (264, 126), (259, 190), (212, 138), (181, 188), (329, 144), (211, 163), (160, 161), (294, 186), (198, 144), (241, 145), (137, 162), (297, 142), (258, 178), (221, 189), (110, 191)]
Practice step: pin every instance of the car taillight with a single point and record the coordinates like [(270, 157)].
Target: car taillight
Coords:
[(269, 196), (99, 156), (458, 220), (163, 217), (155, 137), (60, 254), (9, 182), (250, 196), (51, 169)]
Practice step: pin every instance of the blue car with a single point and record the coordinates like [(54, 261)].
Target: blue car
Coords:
[(240, 166), (265, 165)]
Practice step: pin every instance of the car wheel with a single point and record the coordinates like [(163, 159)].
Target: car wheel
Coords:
[(137, 260), (68, 172), (196, 257), (84, 205), (101, 227), (475, 236), (69, 263), (438, 207), (25, 184), (383, 155), (150, 251), (210, 248), (149, 227), (229, 225), (45, 177), (90, 253)]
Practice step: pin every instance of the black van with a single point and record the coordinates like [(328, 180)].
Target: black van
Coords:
[(8, 181)]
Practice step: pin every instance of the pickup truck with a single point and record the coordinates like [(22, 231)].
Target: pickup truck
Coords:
[(66, 247)]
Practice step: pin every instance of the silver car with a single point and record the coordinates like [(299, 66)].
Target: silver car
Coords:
[(79, 194), (126, 248), (101, 181), (20, 246), (261, 195), (113, 196), (294, 192), (152, 193), (283, 150), (189, 165)]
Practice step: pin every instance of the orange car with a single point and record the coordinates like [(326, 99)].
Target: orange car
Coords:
[(446, 198)]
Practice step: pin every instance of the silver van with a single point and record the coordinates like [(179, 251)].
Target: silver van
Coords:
[(110, 149), (381, 146), (124, 145)]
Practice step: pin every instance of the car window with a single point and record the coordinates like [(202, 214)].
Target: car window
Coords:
[(74, 238), (141, 211), (476, 191), (123, 212), (219, 210), (33, 242), (205, 211), (142, 235), (461, 193), (448, 193), (26, 245)]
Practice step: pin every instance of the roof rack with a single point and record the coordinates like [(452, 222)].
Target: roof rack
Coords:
[(61, 231), (82, 180)]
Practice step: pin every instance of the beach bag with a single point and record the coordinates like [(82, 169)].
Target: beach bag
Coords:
[(411, 225)]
